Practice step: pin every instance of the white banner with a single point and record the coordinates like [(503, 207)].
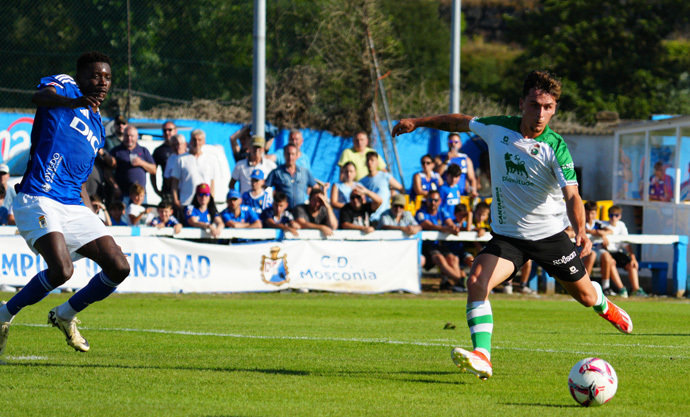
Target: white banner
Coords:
[(172, 265)]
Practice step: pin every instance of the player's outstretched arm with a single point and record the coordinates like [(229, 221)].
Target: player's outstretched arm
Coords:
[(48, 97), (449, 122)]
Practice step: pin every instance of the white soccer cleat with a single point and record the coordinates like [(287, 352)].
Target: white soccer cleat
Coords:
[(4, 332), (69, 329), (473, 362)]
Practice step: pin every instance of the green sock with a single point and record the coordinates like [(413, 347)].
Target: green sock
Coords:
[(481, 323), (601, 305)]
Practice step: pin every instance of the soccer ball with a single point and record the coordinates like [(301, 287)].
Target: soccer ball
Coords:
[(592, 382)]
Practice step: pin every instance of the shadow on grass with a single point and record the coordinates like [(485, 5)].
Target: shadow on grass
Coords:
[(660, 334), (544, 405)]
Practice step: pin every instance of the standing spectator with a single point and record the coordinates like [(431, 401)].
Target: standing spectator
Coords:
[(115, 138), (241, 141), (160, 157), (380, 182), (179, 146), (427, 179), (296, 139), (10, 192), (278, 216), (137, 214), (190, 170), (358, 155), (296, 182), (166, 218), (397, 218), (660, 184), (238, 215), (116, 210), (202, 212), (622, 253), (317, 214), (258, 198), (340, 192), (256, 160), (451, 191), (431, 217), (356, 214), (468, 181), (132, 161)]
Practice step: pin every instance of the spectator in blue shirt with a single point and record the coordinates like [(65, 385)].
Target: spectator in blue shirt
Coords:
[(116, 210), (381, 183), (295, 138), (278, 216), (202, 213), (237, 215), (166, 218), (258, 198), (451, 191), (296, 182)]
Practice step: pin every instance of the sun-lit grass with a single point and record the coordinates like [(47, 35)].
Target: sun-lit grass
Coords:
[(343, 355)]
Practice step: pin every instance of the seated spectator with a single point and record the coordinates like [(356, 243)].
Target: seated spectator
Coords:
[(598, 231), (340, 192), (293, 180), (451, 191), (397, 218), (481, 218), (426, 179), (278, 216), (116, 210), (381, 183), (431, 217), (4, 212), (202, 213), (238, 215), (358, 155), (258, 198), (137, 214), (317, 214), (166, 218), (132, 162), (355, 214), (462, 218), (622, 253), (99, 208), (256, 160)]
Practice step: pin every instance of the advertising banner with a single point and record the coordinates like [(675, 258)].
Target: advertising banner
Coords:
[(171, 265)]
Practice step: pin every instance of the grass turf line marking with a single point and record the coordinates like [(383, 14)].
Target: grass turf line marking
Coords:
[(364, 340)]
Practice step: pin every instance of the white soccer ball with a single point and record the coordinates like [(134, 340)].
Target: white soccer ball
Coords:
[(592, 382)]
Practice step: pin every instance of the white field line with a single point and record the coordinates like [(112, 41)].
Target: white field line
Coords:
[(643, 354)]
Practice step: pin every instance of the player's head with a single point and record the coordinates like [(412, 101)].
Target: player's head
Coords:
[(540, 94), (94, 76)]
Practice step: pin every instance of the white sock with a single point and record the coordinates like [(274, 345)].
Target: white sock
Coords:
[(605, 284), (601, 305), (65, 311), (5, 315)]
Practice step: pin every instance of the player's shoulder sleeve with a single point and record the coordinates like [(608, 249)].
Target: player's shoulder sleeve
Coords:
[(562, 160), (63, 84), (487, 126)]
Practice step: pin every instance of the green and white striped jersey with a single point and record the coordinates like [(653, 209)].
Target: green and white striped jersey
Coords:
[(526, 178)]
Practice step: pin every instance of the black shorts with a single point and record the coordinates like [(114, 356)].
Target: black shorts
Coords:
[(622, 259), (557, 254)]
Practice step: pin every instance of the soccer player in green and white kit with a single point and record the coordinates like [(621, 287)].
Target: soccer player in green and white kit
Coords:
[(534, 195)]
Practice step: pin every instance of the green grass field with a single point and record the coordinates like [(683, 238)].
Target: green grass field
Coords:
[(343, 355)]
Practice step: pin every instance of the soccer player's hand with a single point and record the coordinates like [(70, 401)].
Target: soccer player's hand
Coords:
[(93, 100), (582, 241), (404, 126)]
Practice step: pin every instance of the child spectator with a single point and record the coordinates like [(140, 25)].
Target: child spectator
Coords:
[(278, 216), (116, 210), (450, 192), (340, 192), (598, 229), (481, 218), (258, 198), (202, 213), (356, 214), (4, 212), (137, 214), (99, 208), (427, 179), (397, 218), (237, 215), (166, 218), (622, 253)]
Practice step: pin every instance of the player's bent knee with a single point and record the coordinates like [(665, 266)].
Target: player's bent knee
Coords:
[(59, 274)]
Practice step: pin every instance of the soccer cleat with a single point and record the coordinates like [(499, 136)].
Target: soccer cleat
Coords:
[(473, 362), (4, 333), (618, 317), (69, 329)]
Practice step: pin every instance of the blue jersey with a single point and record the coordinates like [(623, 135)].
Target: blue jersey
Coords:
[(437, 219), (202, 216), (260, 203), (247, 215), (450, 197), (429, 183), (64, 143), (461, 161), (172, 221)]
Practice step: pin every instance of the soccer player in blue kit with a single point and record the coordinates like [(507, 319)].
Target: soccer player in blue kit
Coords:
[(52, 207)]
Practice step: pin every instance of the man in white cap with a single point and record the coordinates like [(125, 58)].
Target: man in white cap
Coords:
[(9, 191)]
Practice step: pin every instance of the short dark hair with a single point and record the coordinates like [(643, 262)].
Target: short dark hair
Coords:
[(615, 208), (372, 154), (315, 191), (590, 205), (3, 192), (454, 170), (164, 204), (117, 204), (542, 80), (91, 57), (460, 208), (279, 197)]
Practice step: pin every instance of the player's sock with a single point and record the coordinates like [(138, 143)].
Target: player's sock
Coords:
[(97, 289), (36, 290), (601, 305), (605, 284), (481, 323)]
